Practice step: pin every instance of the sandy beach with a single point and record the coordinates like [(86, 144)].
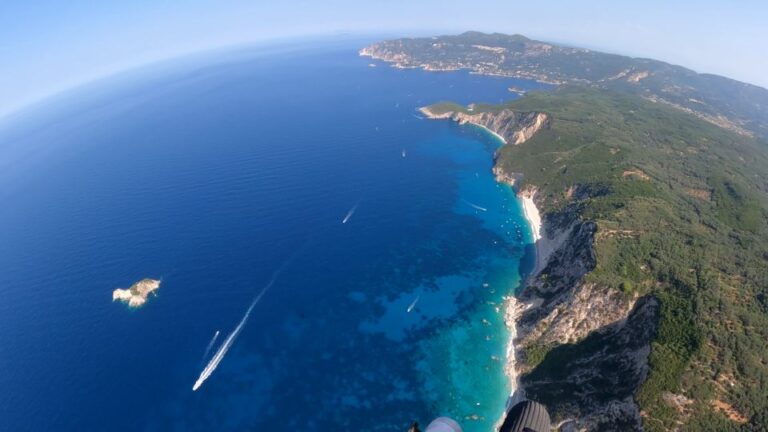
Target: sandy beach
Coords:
[(514, 307), (499, 137), (450, 115), (532, 214), (533, 217)]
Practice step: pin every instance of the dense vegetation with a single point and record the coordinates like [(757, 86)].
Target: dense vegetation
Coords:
[(662, 159), (681, 208), (721, 100)]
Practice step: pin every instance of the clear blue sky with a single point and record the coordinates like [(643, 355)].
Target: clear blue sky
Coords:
[(48, 45)]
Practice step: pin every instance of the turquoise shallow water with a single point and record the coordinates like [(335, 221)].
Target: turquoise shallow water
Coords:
[(210, 173)]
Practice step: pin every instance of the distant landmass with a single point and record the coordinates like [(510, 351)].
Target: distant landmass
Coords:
[(648, 309), (137, 294), (735, 105)]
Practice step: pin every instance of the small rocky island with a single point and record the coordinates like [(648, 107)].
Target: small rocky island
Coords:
[(137, 294)]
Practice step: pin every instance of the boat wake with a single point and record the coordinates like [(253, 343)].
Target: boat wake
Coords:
[(413, 305), (349, 214), (210, 346), (475, 206), (227, 344)]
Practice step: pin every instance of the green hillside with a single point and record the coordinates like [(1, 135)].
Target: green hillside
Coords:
[(681, 209), (667, 169), (732, 104)]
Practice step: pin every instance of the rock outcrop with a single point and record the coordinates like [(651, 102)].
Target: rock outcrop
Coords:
[(511, 126), (137, 294), (592, 382), (575, 338)]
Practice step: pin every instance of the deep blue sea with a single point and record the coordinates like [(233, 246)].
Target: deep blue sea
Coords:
[(211, 173)]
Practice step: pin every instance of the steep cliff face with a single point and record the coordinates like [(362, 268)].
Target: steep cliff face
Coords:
[(512, 126), (647, 308), (594, 337), (573, 338), (590, 384), (566, 305)]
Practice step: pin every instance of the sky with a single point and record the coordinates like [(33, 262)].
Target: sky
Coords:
[(47, 46)]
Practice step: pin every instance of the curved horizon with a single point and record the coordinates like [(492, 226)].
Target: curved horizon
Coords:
[(50, 48), (286, 42), (173, 59)]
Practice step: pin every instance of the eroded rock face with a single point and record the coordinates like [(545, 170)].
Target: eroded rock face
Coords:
[(515, 127), (512, 126), (504, 177), (576, 314), (596, 339), (593, 381), (567, 265)]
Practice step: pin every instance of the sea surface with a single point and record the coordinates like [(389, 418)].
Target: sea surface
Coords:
[(212, 173)]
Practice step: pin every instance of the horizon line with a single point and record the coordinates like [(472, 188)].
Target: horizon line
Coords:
[(289, 41)]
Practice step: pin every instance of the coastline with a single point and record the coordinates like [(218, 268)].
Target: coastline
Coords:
[(497, 136), (428, 67), (450, 115), (532, 214), (137, 294), (533, 217), (512, 311), (543, 247), (515, 307)]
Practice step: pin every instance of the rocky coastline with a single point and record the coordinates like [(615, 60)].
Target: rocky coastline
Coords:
[(627, 319), (516, 128), (558, 306), (400, 60), (137, 294), (511, 127)]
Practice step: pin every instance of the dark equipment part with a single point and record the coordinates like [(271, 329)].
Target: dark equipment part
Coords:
[(414, 427), (527, 416)]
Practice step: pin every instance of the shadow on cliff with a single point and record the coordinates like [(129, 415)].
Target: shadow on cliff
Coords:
[(603, 369)]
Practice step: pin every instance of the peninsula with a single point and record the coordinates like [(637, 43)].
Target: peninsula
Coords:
[(137, 294), (737, 106)]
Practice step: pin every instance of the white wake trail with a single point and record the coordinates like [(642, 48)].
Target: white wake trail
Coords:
[(227, 344), (210, 345), (349, 214), (413, 305), (475, 206)]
